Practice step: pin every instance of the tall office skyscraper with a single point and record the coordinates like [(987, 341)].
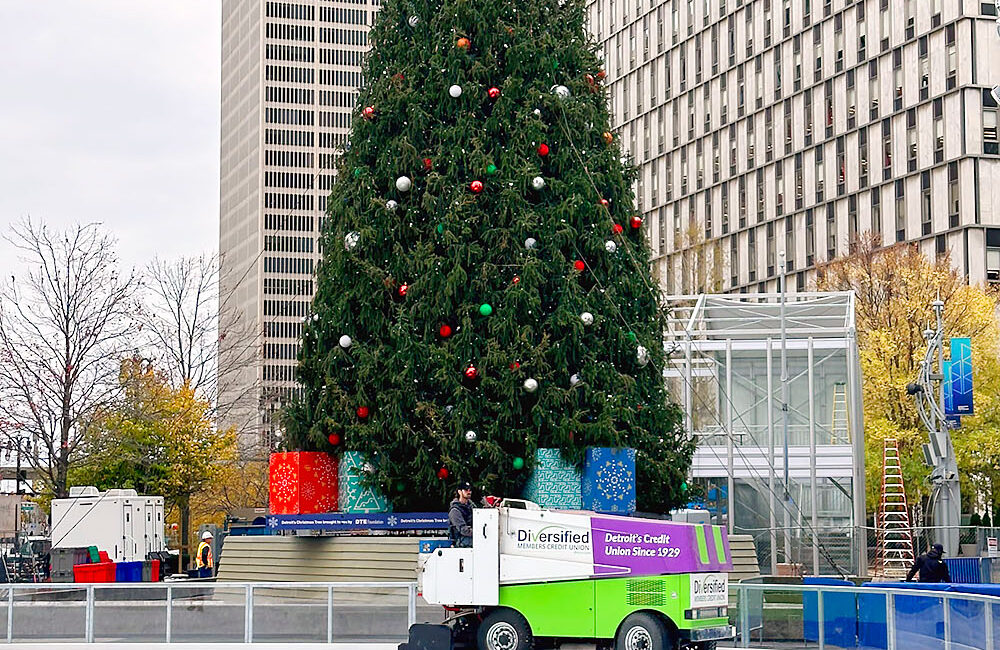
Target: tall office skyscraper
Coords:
[(762, 126), (290, 74)]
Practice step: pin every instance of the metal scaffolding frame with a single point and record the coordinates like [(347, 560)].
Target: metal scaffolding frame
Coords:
[(749, 429)]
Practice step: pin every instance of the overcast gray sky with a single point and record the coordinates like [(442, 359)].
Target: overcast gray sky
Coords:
[(109, 111)]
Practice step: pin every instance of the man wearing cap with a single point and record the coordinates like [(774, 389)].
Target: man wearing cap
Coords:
[(931, 567), (460, 517)]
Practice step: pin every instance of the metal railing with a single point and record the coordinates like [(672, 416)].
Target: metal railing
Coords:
[(166, 612), (778, 616)]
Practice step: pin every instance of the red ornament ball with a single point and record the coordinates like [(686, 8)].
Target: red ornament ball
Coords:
[(476, 186), (543, 149), (579, 265), (471, 372), (516, 365), (462, 43), (445, 331), (516, 279), (403, 288), (590, 78), (428, 163), (493, 92), (334, 439), (605, 202), (636, 221), (443, 473), (362, 412), (368, 112), (617, 228)]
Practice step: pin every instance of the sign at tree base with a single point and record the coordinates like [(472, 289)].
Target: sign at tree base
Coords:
[(354, 496), (302, 482), (554, 483)]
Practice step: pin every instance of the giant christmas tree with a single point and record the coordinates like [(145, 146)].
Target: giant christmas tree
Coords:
[(484, 289)]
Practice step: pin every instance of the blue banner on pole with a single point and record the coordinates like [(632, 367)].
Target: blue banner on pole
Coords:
[(961, 377), (949, 398), (335, 521)]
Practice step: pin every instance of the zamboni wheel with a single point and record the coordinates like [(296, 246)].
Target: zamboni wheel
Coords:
[(504, 629), (642, 631)]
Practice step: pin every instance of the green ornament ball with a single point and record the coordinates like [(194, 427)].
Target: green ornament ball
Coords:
[(357, 172), (518, 463), (684, 486), (400, 486), (631, 337), (440, 228), (485, 309), (491, 169)]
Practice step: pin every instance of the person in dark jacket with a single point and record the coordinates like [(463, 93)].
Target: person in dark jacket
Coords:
[(931, 566), (460, 517)]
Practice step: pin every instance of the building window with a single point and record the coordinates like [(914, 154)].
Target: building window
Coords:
[(820, 173), (876, 214), (810, 238), (862, 33), (751, 144), (951, 78), (938, 131), (807, 116), (818, 53), (884, 23), (940, 245), (798, 181), (910, 17), (925, 203), (828, 107), (897, 79), (760, 195), (797, 63), (911, 140), (953, 196), (925, 68), (863, 157), (838, 42), (752, 255), (886, 149), (770, 248), (778, 62), (852, 101), (779, 189), (725, 208), (708, 216), (831, 232), (874, 90), (768, 136), (841, 167), (734, 261), (900, 212), (716, 158), (991, 144), (789, 242), (743, 202)]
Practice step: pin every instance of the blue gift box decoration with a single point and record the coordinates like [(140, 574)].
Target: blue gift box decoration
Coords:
[(554, 483), (354, 497), (609, 480)]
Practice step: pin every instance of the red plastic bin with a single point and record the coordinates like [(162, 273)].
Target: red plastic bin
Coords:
[(98, 572), (155, 572)]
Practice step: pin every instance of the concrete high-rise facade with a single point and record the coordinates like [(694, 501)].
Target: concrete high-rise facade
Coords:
[(762, 126), (290, 78)]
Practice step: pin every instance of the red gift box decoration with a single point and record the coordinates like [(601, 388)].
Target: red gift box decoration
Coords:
[(302, 482)]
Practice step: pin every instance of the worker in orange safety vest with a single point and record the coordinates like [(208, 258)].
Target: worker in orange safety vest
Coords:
[(205, 561)]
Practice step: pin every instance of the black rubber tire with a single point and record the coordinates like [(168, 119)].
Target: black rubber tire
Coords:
[(705, 645), (644, 631), (504, 629)]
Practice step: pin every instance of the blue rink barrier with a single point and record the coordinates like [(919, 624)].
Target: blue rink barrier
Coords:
[(840, 620)]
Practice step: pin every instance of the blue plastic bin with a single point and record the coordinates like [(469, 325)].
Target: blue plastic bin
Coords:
[(128, 572)]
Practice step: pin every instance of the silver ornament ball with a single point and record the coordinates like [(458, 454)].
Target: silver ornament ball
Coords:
[(530, 242), (574, 379), (455, 91), (345, 341), (470, 435), (351, 240), (403, 183), (413, 21), (530, 385), (537, 182), (391, 205), (587, 318), (561, 91), (642, 355), (610, 246)]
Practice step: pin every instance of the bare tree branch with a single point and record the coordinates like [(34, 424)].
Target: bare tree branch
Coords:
[(64, 326)]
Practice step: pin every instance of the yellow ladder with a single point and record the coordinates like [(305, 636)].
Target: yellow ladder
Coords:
[(840, 425)]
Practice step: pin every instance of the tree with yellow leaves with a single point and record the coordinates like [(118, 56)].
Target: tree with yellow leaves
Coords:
[(894, 289), (158, 440)]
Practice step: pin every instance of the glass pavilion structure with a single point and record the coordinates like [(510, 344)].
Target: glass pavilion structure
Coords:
[(726, 370)]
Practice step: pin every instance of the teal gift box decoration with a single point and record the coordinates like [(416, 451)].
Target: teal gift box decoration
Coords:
[(355, 497), (554, 483)]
